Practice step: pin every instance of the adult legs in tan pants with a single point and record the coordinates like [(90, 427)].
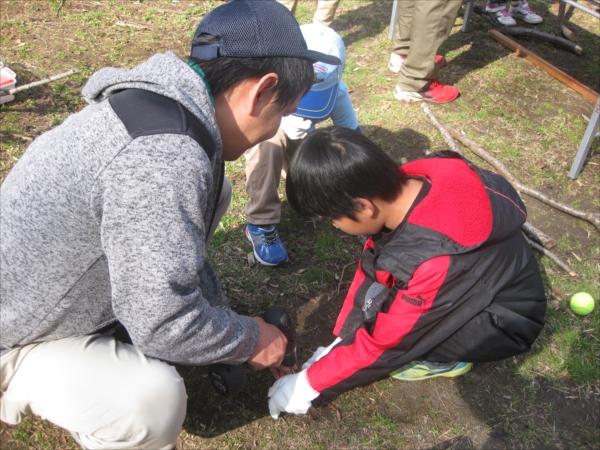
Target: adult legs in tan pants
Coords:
[(325, 10), (423, 26), (266, 163)]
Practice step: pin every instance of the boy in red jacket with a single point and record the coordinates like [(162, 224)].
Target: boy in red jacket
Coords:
[(445, 279)]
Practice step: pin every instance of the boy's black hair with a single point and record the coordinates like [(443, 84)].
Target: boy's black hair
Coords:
[(333, 167), (296, 75)]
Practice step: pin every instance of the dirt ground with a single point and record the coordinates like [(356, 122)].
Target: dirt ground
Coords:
[(493, 406)]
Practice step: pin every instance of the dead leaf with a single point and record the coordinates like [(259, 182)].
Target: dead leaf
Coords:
[(557, 292), (541, 164), (251, 260)]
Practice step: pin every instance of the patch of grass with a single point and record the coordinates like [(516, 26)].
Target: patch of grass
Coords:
[(94, 18)]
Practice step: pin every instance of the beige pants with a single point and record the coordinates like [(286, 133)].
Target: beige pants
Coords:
[(325, 10), (266, 163), (422, 27), (107, 394)]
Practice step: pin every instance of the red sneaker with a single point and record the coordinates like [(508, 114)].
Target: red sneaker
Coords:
[(433, 92), (396, 61)]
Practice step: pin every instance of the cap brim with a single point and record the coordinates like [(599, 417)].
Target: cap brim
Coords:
[(317, 104), (318, 56)]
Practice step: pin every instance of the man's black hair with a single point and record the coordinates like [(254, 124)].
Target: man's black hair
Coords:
[(335, 166), (296, 75)]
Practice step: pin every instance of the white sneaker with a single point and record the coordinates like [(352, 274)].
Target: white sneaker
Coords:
[(524, 13), (501, 15), (396, 62)]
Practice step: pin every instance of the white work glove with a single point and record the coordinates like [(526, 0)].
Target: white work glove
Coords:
[(319, 353), (292, 394)]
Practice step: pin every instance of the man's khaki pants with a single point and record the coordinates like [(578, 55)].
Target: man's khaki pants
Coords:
[(422, 27), (325, 10), (106, 393), (266, 163)]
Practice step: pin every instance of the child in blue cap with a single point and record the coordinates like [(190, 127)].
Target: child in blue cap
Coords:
[(265, 163)]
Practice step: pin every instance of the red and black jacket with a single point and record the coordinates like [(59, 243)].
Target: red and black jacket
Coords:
[(456, 249)]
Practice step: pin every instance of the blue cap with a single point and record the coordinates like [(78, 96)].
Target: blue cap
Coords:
[(318, 103), (253, 28)]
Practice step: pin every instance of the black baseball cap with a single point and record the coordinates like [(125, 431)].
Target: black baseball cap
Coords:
[(254, 29)]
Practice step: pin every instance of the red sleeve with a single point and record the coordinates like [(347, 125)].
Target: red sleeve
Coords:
[(372, 356)]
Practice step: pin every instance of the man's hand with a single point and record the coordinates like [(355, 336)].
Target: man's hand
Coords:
[(270, 350), (292, 394), (282, 371)]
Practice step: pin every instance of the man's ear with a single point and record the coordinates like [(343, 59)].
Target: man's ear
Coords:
[(262, 93), (368, 209)]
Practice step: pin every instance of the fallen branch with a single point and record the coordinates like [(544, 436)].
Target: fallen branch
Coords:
[(38, 83), (568, 33), (439, 126), (538, 236), (530, 33), (552, 256), (557, 41)]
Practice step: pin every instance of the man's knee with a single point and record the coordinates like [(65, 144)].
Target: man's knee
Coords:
[(150, 414)]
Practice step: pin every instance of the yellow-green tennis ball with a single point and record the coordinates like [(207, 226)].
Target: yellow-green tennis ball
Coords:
[(582, 303)]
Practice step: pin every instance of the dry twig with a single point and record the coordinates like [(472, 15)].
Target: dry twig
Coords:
[(440, 127), (342, 275), (538, 236), (552, 256), (38, 83), (62, 3)]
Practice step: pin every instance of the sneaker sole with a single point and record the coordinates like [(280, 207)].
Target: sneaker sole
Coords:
[(264, 263), (408, 96), (451, 374), (532, 22)]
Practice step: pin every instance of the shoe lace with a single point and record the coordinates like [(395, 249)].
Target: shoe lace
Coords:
[(270, 237), (503, 12)]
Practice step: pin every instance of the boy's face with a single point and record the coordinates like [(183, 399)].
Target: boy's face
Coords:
[(362, 226)]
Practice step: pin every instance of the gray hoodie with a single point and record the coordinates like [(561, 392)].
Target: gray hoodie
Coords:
[(97, 227)]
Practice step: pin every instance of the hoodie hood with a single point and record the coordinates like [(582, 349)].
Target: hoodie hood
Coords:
[(165, 74), (468, 205)]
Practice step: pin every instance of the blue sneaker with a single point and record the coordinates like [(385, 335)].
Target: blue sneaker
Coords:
[(418, 370), (268, 249)]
